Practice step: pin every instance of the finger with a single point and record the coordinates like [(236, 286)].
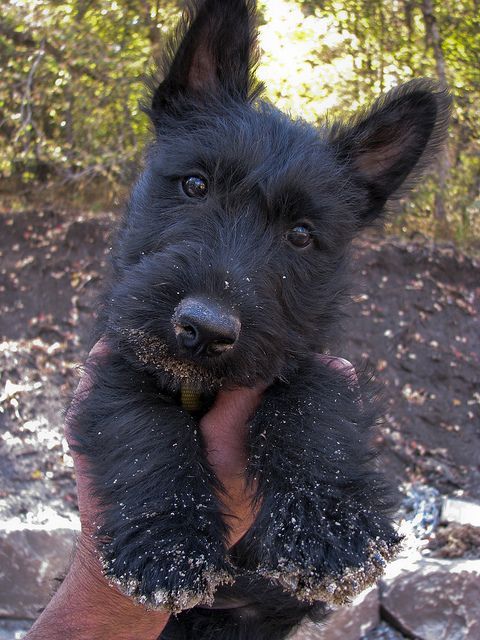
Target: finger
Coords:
[(340, 364), (225, 427), (87, 503), (84, 386)]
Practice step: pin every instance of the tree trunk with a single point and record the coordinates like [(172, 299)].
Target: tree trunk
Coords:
[(434, 40)]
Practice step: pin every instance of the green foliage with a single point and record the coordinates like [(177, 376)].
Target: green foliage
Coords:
[(334, 56), (72, 75)]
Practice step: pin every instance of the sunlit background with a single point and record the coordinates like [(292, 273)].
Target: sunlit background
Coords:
[(72, 76)]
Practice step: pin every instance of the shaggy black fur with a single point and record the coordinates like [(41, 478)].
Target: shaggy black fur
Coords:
[(244, 217)]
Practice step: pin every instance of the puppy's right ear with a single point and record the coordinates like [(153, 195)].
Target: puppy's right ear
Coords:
[(211, 53)]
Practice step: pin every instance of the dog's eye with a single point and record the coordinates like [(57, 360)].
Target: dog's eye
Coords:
[(195, 186), (299, 236)]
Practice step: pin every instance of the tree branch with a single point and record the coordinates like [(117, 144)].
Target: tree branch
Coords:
[(23, 38)]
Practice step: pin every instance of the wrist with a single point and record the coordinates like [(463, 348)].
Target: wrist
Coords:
[(88, 607)]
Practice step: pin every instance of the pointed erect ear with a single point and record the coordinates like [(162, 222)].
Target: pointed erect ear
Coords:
[(212, 52), (389, 145)]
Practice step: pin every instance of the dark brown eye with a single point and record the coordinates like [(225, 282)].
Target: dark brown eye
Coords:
[(300, 236), (195, 186)]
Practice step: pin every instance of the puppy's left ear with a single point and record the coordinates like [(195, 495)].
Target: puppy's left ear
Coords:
[(388, 146), (211, 53)]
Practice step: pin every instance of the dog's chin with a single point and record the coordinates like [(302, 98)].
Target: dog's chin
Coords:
[(203, 375)]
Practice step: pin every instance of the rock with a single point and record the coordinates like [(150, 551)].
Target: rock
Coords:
[(346, 623), (14, 629), (455, 541), (461, 511), (433, 599), (383, 632), (32, 556)]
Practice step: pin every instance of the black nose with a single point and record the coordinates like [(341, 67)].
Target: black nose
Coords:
[(205, 328)]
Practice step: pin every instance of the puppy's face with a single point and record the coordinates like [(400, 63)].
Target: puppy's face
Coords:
[(230, 263)]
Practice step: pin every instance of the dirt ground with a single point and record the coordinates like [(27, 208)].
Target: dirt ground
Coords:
[(414, 318)]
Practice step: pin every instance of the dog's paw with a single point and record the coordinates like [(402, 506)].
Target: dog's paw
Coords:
[(171, 575), (320, 557), (310, 581)]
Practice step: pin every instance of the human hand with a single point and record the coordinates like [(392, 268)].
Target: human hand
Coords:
[(224, 429), (87, 605), (111, 614)]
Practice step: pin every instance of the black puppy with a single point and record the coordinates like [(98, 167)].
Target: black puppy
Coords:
[(229, 270)]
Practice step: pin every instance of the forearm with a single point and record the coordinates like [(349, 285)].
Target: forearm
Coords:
[(86, 607)]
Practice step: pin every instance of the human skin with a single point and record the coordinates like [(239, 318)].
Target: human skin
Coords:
[(87, 606)]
